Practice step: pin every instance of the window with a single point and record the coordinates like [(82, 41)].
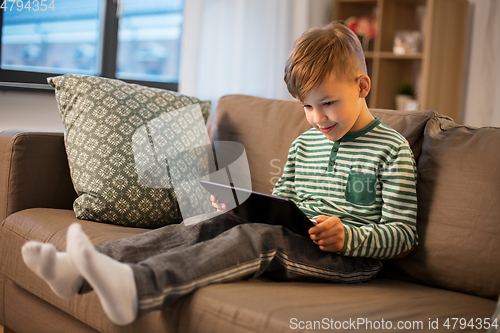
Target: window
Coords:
[(148, 40), (62, 40), (136, 41)]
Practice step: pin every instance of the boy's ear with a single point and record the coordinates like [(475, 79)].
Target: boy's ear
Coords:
[(364, 85)]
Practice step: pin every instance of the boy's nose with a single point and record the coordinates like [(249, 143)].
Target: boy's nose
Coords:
[(319, 117)]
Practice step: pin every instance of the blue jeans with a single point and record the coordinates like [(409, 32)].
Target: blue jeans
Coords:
[(175, 260)]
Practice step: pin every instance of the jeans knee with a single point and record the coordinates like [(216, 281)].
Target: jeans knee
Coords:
[(267, 236)]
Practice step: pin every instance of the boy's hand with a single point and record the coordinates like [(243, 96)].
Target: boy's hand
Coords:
[(328, 233), (219, 205)]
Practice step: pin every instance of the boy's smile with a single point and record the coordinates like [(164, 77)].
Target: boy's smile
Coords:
[(336, 107), (326, 129)]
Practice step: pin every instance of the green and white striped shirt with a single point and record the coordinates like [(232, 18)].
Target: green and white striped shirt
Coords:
[(367, 179)]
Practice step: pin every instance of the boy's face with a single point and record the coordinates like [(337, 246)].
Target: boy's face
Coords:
[(338, 107)]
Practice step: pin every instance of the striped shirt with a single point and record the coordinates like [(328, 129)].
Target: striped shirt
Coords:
[(367, 179)]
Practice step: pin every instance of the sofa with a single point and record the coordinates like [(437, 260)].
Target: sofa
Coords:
[(452, 278)]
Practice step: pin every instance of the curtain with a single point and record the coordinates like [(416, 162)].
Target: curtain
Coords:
[(241, 46), (482, 95)]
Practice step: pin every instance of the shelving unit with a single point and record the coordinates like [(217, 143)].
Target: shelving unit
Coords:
[(437, 72)]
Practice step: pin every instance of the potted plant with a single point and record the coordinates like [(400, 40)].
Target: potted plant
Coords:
[(405, 98)]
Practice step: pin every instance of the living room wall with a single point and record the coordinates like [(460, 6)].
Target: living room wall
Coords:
[(482, 100), (38, 110), (28, 110)]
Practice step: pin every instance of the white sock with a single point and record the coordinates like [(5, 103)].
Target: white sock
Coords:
[(53, 267), (112, 280)]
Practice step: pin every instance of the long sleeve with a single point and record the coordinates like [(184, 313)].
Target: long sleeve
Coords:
[(285, 186), (396, 231), (367, 179)]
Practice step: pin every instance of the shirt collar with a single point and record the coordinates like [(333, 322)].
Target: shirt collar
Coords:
[(352, 136)]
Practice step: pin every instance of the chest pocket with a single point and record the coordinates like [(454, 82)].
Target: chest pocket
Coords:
[(361, 188)]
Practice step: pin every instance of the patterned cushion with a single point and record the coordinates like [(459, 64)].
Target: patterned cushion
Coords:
[(100, 117)]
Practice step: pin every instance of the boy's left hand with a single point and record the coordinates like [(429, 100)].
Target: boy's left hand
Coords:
[(328, 233)]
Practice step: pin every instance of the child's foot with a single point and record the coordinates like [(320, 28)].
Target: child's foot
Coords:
[(53, 267), (113, 281)]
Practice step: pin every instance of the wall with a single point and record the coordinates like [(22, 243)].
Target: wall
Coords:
[(29, 110), (482, 95), (38, 110)]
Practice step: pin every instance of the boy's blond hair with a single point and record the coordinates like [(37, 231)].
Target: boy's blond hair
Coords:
[(333, 49)]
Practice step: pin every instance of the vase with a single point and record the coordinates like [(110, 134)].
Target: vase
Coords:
[(406, 103)]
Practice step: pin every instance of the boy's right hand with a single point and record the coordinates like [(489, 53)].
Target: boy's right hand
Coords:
[(219, 205), (328, 234)]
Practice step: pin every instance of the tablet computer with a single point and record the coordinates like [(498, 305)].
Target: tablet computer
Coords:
[(261, 208)]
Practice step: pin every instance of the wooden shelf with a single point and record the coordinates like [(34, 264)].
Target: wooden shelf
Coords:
[(370, 55), (436, 71), (357, 0), (392, 55)]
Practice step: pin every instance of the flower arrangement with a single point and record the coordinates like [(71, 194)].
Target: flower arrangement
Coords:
[(365, 28)]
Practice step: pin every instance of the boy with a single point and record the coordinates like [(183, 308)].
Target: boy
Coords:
[(350, 173)]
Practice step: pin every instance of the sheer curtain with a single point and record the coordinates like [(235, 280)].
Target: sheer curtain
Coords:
[(240, 46), (482, 103)]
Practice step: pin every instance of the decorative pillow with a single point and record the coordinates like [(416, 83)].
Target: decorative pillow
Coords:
[(100, 117)]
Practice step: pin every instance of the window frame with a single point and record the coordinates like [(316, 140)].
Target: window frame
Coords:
[(37, 81)]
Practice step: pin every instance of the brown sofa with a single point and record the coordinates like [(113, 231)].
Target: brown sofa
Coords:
[(454, 273)]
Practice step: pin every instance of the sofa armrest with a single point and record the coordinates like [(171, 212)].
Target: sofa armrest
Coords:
[(34, 172)]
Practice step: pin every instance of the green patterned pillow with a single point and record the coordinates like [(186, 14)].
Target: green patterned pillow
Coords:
[(100, 117)]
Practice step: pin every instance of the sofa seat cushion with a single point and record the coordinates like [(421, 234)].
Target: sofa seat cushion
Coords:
[(256, 306), (247, 306)]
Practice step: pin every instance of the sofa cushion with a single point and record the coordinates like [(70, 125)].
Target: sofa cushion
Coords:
[(240, 118), (459, 213), (107, 122)]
